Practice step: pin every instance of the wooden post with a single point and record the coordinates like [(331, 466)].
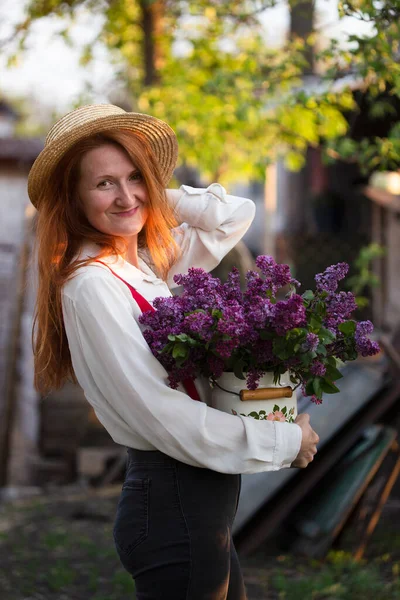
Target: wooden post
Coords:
[(11, 358)]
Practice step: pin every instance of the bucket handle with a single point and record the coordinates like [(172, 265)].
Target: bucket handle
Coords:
[(266, 393)]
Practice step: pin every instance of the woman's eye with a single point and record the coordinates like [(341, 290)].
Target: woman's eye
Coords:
[(136, 176), (103, 183)]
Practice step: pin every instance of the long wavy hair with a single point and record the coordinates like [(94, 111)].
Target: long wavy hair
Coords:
[(62, 227)]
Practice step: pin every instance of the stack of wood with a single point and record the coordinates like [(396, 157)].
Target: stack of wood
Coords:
[(73, 442)]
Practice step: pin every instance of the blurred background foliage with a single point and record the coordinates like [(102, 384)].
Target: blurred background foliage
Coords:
[(236, 103)]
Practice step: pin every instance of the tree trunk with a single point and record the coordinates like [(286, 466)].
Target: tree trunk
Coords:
[(152, 17), (293, 187), (301, 25)]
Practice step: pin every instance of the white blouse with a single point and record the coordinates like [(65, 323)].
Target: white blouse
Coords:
[(128, 387)]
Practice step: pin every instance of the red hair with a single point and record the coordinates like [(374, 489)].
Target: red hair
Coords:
[(61, 225)]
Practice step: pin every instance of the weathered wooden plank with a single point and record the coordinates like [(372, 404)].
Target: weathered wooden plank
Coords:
[(13, 203)]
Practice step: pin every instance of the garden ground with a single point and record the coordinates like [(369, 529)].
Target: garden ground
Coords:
[(58, 546)]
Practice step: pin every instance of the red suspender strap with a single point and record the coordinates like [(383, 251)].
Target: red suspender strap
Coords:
[(142, 302), (145, 305)]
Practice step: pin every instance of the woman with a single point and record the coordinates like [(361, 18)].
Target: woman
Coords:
[(110, 238)]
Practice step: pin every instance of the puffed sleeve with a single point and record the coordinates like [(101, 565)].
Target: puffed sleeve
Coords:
[(128, 377), (211, 224)]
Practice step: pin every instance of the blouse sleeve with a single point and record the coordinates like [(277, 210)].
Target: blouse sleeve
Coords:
[(129, 378), (211, 224)]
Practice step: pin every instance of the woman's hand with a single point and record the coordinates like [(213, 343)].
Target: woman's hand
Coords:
[(308, 444)]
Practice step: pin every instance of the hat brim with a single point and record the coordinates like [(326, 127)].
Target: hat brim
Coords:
[(161, 137)]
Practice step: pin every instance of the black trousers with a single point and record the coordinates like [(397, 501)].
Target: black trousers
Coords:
[(173, 530)]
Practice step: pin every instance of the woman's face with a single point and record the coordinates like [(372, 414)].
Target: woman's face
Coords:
[(112, 191)]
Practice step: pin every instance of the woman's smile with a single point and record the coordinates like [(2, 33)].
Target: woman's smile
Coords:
[(127, 213)]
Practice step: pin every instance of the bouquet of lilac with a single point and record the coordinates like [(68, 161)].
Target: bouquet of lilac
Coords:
[(214, 327)]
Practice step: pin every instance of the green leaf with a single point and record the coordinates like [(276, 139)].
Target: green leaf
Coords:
[(315, 322), (254, 415), (306, 359), (167, 348), (348, 327), (328, 387), (326, 336), (276, 407), (183, 337), (308, 295), (180, 351), (238, 369), (333, 373), (317, 386), (310, 387), (172, 337), (284, 410), (281, 348), (294, 161), (266, 335)]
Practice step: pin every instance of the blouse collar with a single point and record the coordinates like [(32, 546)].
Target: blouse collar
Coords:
[(121, 266)]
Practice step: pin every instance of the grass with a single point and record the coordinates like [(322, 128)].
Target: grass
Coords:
[(338, 577), (45, 553), (48, 554)]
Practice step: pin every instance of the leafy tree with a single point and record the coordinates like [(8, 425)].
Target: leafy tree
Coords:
[(235, 103)]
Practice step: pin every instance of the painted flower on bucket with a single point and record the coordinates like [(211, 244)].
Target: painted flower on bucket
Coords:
[(214, 327), (276, 416)]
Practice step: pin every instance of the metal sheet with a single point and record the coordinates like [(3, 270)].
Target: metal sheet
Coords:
[(361, 380)]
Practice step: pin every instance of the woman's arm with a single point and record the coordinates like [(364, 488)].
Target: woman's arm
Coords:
[(211, 224), (119, 366)]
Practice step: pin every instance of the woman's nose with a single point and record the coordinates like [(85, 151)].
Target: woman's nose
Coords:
[(124, 193)]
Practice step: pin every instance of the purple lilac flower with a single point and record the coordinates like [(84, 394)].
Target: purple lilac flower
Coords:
[(189, 369), (364, 328), (288, 314), (276, 275), (256, 286), (318, 368), (311, 343), (364, 345), (200, 323), (292, 362), (243, 316), (154, 340), (231, 288), (168, 313), (216, 365), (315, 399), (226, 347), (328, 280), (338, 309), (253, 378), (262, 350), (201, 290), (232, 321), (195, 279), (257, 311)]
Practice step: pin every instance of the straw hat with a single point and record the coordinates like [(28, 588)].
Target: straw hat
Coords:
[(93, 118)]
